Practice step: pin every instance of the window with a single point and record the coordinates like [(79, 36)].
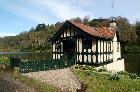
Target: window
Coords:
[(87, 43), (118, 45), (58, 46), (109, 46)]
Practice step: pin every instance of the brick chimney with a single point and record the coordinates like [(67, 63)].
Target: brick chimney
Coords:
[(113, 24)]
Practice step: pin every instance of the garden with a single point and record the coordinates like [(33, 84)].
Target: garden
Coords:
[(102, 80)]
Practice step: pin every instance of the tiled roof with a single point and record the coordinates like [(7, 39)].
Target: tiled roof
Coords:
[(102, 32)]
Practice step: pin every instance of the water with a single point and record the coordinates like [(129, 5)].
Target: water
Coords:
[(27, 55), (132, 62)]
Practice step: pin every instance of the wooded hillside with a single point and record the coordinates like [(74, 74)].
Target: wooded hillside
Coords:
[(36, 38)]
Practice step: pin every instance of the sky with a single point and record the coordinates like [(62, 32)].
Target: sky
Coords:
[(17, 16)]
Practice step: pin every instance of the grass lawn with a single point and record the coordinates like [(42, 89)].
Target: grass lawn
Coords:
[(94, 81)]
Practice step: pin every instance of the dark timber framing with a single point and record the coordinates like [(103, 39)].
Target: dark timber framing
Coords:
[(100, 48)]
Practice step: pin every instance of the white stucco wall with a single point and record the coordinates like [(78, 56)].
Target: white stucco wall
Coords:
[(116, 66), (105, 50), (80, 45), (80, 49), (85, 58), (65, 33), (68, 32), (98, 51), (94, 45), (59, 56), (116, 54), (53, 51)]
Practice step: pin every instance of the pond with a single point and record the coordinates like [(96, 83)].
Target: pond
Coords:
[(27, 55), (132, 60)]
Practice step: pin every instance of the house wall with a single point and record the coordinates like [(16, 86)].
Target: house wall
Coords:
[(53, 50), (116, 66), (86, 55), (100, 52), (104, 51), (67, 32), (94, 50), (57, 52), (79, 50), (113, 66), (116, 49)]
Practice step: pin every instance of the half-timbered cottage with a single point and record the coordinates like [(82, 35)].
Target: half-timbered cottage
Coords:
[(90, 45)]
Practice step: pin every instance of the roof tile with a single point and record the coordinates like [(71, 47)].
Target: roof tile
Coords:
[(99, 32)]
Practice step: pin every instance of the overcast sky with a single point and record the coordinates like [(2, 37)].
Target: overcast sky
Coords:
[(20, 15)]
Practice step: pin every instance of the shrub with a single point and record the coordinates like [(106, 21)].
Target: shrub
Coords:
[(123, 72), (4, 59), (102, 69), (84, 67), (87, 67), (133, 76), (78, 66), (114, 76), (92, 73)]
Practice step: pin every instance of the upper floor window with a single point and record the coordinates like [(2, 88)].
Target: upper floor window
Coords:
[(87, 43), (57, 46), (109, 46), (118, 47)]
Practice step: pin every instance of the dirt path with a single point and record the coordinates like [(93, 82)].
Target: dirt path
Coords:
[(6, 87), (7, 84), (61, 78)]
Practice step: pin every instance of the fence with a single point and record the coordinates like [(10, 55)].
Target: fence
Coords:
[(35, 66)]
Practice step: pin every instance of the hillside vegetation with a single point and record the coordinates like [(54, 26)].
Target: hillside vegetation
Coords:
[(36, 39)]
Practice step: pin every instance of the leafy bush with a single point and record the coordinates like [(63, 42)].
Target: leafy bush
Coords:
[(78, 66), (133, 76), (87, 67), (84, 67), (4, 62), (123, 72), (114, 76), (132, 47), (92, 73), (102, 69), (4, 59)]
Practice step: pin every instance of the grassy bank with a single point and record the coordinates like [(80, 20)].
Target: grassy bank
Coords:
[(39, 86), (29, 82), (94, 81)]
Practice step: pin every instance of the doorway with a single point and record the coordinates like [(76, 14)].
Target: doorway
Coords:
[(69, 48)]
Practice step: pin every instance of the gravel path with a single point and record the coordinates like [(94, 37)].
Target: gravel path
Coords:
[(7, 84), (61, 78)]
